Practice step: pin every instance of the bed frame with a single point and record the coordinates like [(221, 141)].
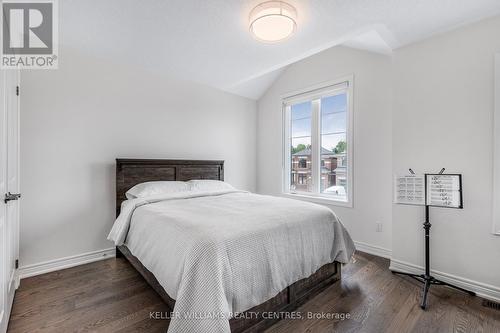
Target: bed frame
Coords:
[(130, 172)]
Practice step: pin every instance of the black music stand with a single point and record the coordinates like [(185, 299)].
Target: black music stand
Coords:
[(427, 279)]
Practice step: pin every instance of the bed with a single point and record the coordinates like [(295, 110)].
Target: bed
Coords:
[(225, 268)]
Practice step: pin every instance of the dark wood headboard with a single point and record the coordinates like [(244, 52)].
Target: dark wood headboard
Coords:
[(130, 172)]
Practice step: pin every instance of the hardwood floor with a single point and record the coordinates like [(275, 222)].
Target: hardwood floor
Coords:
[(110, 296)]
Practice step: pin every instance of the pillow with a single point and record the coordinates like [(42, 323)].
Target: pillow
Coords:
[(156, 188), (209, 185)]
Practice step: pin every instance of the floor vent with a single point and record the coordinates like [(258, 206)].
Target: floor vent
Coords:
[(491, 304)]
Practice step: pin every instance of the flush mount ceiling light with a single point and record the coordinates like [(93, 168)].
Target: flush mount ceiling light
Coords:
[(273, 21)]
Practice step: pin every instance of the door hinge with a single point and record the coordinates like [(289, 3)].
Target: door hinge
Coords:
[(17, 90), (17, 263)]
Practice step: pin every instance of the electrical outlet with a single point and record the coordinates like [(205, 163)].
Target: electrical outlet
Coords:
[(379, 226)]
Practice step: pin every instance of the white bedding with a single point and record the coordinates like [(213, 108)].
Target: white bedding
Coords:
[(222, 252)]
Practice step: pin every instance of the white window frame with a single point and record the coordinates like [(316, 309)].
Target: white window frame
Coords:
[(307, 94)]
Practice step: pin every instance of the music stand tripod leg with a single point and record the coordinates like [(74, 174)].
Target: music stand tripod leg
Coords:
[(427, 284)]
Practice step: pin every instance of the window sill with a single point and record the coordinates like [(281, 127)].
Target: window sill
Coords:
[(318, 199)]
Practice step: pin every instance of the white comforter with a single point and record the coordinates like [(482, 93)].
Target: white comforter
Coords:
[(220, 253)]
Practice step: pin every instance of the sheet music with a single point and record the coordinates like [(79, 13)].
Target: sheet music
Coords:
[(409, 189), (444, 191)]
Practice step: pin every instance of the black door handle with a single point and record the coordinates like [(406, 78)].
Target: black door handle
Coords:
[(9, 197)]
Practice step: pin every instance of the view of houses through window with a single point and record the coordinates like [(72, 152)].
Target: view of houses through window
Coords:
[(331, 133)]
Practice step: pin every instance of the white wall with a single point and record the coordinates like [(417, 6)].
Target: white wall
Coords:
[(443, 109), (372, 135), (76, 120), (431, 106)]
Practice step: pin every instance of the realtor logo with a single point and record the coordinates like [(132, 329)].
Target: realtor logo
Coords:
[(29, 31)]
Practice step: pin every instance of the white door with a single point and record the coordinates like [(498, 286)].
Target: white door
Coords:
[(496, 150), (9, 189)]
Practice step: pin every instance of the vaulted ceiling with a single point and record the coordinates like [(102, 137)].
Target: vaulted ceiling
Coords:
[(207, 41)]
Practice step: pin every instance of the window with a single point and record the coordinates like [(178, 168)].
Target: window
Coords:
[(303, 163), (318, 145)]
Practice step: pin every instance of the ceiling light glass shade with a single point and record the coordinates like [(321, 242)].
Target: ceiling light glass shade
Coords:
[(273, 21)]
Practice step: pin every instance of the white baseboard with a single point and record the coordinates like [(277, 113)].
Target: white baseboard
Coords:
[(67, 262), (85, 258), (481, 289), (375, 250)]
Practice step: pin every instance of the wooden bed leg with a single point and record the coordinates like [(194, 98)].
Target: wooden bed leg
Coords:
[(119, 253)]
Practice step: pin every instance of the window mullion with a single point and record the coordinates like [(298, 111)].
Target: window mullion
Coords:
[(316, 144), (287, 147)]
